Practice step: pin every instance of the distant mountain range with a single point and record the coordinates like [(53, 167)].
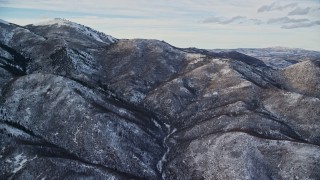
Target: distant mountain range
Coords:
[(277, 57), (79, 104)]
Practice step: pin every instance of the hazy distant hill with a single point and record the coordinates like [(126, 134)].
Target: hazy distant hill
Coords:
[(277, 57)]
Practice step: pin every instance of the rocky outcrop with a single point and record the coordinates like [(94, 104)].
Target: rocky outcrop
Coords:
[(75, 105)]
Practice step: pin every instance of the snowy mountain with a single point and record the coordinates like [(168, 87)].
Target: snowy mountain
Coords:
[(58, 25), (78, 104)]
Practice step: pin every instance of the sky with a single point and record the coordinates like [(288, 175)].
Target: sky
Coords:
[(207, 24)]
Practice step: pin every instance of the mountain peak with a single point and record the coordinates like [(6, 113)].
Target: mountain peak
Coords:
[(61, 22), (57, 21)]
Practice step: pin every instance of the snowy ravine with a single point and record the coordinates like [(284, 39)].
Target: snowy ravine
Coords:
[(167, 147), (79, 104)]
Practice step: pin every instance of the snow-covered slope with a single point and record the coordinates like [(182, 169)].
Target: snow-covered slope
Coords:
[(60, 23), (4, 22)]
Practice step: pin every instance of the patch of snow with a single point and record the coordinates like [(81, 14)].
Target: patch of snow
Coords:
[(173, 131), (196, 61), (294, 97), (137, 97), (156, 123), (13, 131), (4, 22), (12, 65), (19, 162), (215, 93), (75, 135), (57, 21), (7, 36), (242, 85), (28, 114), (111, 39), (122, 111), (167, 126), (81, 61), (185, 90), (194, 56), (165, 143), (219, 61), (95, 36), (225, 70)]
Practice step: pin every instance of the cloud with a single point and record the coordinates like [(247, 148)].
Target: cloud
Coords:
[(300, 11), (291, 23), (233, 19), (301, 25), (275, 7), (256, 21), (266, 7), (221, 20), (286, 20)]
